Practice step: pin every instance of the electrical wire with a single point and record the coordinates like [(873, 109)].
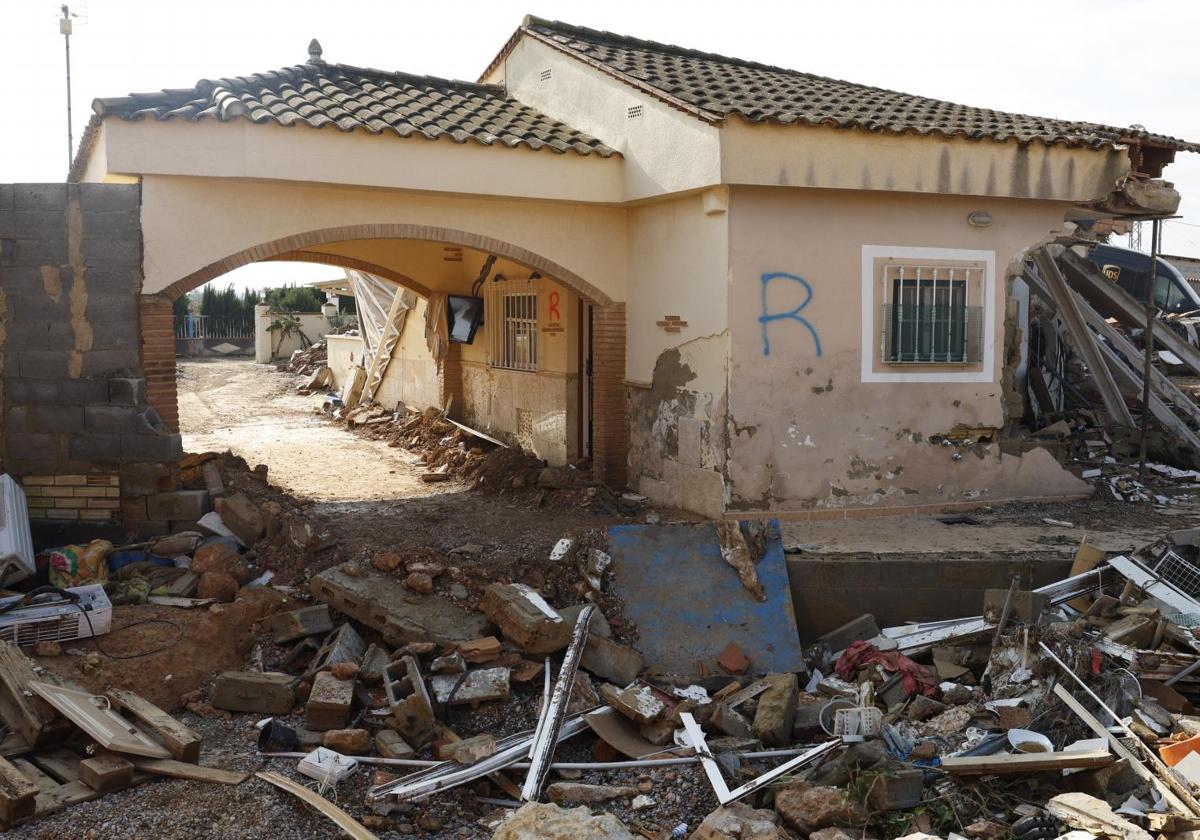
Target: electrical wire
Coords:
[(140, 654)]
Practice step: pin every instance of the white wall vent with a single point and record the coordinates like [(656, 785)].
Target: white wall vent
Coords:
[(634, 111), (544, 75)]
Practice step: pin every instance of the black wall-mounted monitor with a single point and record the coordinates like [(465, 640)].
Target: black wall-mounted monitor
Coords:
[(464, 315)]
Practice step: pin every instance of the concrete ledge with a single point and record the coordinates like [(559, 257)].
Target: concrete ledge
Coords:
[(825, 514)]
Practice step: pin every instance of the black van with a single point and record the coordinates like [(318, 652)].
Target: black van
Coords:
[(1131, 271)]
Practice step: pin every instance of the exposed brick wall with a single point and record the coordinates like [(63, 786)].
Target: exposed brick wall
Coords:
[(610, 417), (158, 358), (73, 396), (450, 381), (92, 497)]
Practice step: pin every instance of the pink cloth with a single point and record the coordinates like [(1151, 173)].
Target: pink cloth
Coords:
[(917, 678)]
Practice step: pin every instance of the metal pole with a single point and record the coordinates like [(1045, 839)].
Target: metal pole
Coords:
[(1148, 343), (64, 26)]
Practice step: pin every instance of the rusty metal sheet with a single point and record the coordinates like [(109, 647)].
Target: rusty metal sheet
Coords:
[(688, 603)]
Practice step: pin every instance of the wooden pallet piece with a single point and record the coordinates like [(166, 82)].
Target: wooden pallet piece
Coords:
[(182, 742), (30, 716), (106, 772), (61, 764), (18, 795), (193, 772)]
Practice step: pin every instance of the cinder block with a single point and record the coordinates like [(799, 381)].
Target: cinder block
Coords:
[(117, 334), (38, 447), (108, 197), (127, 390), (188, 505), (328, 703), (253, 691), (514, 608), (96, 447), (35, 224), (117, 224), (23, 280), (50, 196), (98, 362), (152, 447), (110, 418), (28, 335), (120, 251), (42, 364), (34, 253), (46, 419)]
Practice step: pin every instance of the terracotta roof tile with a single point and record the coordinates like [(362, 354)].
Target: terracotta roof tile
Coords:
[(716, 87), (354, 98)]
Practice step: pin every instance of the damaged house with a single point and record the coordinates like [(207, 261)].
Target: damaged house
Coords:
[(738, 289)]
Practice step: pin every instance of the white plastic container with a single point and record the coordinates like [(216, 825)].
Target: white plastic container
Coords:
[(16, 541), (326, 766)]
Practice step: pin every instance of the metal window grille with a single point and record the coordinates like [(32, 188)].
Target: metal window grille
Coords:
[(929, 317), (1178, 572), (514, 325)]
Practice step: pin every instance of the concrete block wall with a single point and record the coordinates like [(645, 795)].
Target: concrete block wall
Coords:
[(73, 396), (91, 497)]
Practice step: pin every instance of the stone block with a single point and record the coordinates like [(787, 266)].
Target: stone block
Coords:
[(730, 721), (266, 693), (145, 479), (328, 703), (389, 744), (242, 517), (152, 447), (609, 660), (777, 711), (306, 621), (347, 741), (42, 364), (525, 618), (636, 702), (126, 391), (186, 505), (480, 686)]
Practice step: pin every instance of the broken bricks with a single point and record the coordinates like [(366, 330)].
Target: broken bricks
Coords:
[(306, 621), (525, 618), (408, 701), (328, 703), (481, 686)]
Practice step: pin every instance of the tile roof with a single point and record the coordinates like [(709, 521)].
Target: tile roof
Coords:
[(714, 87), (348, 98)]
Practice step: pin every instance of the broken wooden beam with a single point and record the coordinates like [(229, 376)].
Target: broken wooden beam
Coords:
[(182, 742), (1025, 762), (193, 772), (18, 795)]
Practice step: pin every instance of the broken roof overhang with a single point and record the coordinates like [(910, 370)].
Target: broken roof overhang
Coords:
[(714, 88)]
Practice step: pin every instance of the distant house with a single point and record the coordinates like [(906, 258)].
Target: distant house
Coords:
[(737, 288), (1189, 267)]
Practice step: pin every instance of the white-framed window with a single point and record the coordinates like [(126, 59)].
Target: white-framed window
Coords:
[(928, 314), (511, 316)]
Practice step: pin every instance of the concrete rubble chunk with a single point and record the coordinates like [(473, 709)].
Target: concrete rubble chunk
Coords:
[(400, 615), (391, 745), (807, 808), (347, 741), (306, 621), (328, 703), (468, 750), (730, 721), (408, 700), (546, 821), (482, 650), (242, 516), (574, 792), (374, 661), (636, 702), (525, 618), (777, 710), (738, 821), (563, 550), (480, 686), (266, 693), (609, 660), (732, 660), (598, 626), (450, 664), (595, 565), (342, 645)]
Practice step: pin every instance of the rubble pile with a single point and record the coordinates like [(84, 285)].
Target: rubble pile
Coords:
[(307, 360)]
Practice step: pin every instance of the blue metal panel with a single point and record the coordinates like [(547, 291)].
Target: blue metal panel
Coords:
[(688, 602)]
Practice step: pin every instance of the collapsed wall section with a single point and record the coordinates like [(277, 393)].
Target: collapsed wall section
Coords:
[(74, 406)]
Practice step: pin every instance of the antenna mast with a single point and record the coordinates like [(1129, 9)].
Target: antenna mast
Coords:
[(64, 27)]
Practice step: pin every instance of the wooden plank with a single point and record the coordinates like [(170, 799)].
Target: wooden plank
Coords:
[(63, 796), (1085, 343), (1025, 762), (35, 774), (1166, 787), (60, 764), (344, 821), (183, 743), (18, 795), (193, 772), (31, 716)]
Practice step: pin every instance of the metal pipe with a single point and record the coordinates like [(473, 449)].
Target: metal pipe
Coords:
[(1148, 343)]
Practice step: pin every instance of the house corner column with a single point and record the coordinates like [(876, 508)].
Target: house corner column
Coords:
[(158, 358), (610, 417)]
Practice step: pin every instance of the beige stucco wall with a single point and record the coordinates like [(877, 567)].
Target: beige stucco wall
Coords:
[(805, 431), (343, 351), (411, 377), (268, 345), (188, 225), (665, 150)]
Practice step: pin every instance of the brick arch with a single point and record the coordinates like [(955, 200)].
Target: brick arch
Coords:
[(350, 262), (301, 241)]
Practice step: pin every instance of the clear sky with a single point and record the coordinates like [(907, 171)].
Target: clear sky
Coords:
[(1107, 61)]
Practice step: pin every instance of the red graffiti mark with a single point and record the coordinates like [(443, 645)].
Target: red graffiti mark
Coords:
[(554, 316)]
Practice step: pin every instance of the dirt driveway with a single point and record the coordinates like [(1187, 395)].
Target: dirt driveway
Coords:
[(254, 411)]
